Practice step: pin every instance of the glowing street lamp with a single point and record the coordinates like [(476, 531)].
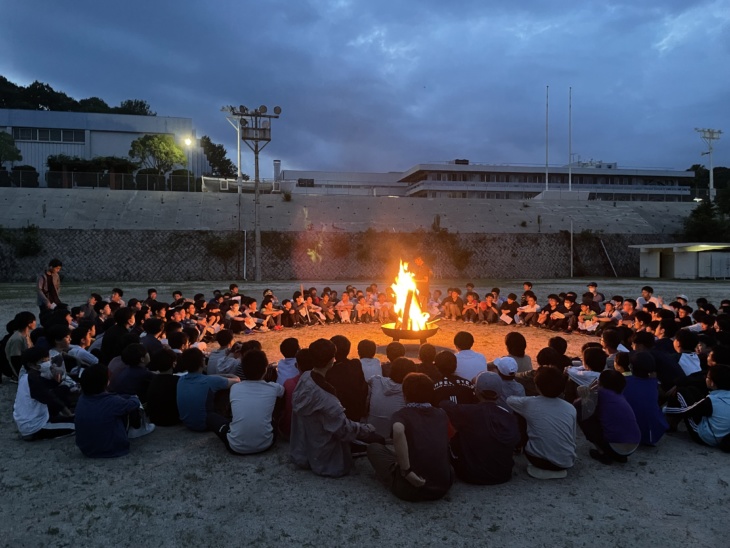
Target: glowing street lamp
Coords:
[(188, 143)]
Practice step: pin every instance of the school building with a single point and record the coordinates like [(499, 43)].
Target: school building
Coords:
[(685, 261)]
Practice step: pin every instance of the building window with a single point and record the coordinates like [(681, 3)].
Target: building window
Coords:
[(49, 135)]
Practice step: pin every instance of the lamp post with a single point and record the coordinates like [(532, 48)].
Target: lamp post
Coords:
[(188, 143), (255, 130), (708, 136)]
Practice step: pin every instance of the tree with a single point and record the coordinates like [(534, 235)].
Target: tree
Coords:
[(706, 223), (134, 106), (8, 151), (158, 152), (44, 97), (218, 159), (94, 104)]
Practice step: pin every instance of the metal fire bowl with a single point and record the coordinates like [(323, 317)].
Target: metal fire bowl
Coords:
[(397, 334)]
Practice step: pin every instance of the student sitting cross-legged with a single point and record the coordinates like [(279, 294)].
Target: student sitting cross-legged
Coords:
[(252, 404), (417, 467)]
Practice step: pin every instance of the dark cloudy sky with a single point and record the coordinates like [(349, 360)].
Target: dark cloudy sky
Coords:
[(375, 85)]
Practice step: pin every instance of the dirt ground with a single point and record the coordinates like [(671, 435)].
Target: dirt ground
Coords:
[(179, 488)]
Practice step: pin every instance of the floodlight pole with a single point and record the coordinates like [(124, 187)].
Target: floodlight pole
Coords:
[(255, 128), (708, 136)]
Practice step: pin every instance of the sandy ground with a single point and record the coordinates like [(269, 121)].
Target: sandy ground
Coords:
[(178, 488)]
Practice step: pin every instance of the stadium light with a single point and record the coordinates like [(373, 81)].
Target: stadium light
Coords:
[(708, 136)]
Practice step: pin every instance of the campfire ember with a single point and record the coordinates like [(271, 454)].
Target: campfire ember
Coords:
[(412, 321)]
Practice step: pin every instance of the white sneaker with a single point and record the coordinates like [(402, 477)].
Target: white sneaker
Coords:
[(143, 430)]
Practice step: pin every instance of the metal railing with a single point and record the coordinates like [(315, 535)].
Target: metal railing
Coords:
[(110, 181)]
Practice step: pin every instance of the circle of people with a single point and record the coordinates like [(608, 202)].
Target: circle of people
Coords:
[(110, 371)]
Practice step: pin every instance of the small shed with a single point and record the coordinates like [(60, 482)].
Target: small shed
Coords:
[(685, 261)]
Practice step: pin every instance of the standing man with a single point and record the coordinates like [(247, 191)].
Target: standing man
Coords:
[(48, 287), (422, 275)]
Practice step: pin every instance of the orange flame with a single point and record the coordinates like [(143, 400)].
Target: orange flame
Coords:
[(405, 282)]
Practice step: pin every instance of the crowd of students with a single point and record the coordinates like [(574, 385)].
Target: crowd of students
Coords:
[(108, 371)]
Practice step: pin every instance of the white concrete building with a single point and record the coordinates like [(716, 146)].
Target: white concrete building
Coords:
[(40, 134), (684, 261)]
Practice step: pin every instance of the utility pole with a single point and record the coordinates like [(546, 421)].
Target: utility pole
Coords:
[(708, 136)]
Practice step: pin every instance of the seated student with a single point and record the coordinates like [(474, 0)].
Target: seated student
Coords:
[(551, 425), (161, 406), (427, 355), (195, 391), (685, 343), (453, 305), (516, 345), (708, 418), (154, 330), (470, 310), (528, 313), (386, 395), (598, 297), (508, 310), (433, 304), (345, 309), (133, 379), (450, 386), (506, 369), (347, 377), (393, 351), (224, 338), (250, 312), (488, 311), (628, 312), (642, 393), (370, 364), (544, 318), (252, 405), (270, 315), (560, 345), (304, 363), (468, 363), (81, 339), (241, 348), (237, 321), (105, 422), (42, 408), (364, 311), (418, 467), (114, 337), (287, 366), (19, 341), (593, 362), (607, 419), (320, 431), (609, 318), (289, 318), (587, 323), (486, 435), (611, 343), (328, 307), (383, 309), (546, 357), (622, 363)]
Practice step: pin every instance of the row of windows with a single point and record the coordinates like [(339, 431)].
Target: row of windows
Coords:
[(554, 179), (49, 135)]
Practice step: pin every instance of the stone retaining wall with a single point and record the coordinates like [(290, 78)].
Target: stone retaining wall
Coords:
[(145, 255)]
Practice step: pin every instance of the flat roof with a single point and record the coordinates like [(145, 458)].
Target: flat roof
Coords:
[(693, 247)]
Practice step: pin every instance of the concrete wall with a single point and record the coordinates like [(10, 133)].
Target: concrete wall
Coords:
[(150, 255)]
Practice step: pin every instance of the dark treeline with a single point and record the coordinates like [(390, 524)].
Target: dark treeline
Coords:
[(40, 96)]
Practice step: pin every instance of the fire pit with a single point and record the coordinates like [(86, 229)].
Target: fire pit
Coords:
[(412, 321)]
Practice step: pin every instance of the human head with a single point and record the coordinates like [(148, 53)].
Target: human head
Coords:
[(394, 350), (685, 341), (610, 339), (124, 317), (550, 381), (134, 354), (24, 320), (417, 388), (506, 366), (59, 335), (54, 265), (289, 347), (366, 348), (718, 377), (343, 346), (622, 362), (445, 362), (427, 353), (323, 353), (94, 380), (612, 380), (178, 340), (305, 360), (594, 359), (488, 386), (642, 364), (559, 344), (192, 360), (254, 364), (400, 368), (463, 340), (153, 326), (515, 343), (548, 356), (163, 360)]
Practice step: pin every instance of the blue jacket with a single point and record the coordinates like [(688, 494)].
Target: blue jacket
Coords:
[(101, 424)]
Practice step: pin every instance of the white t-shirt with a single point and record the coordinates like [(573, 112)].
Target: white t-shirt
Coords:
[(469, 364), (30, 415), (252, 403), (371, 367)]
